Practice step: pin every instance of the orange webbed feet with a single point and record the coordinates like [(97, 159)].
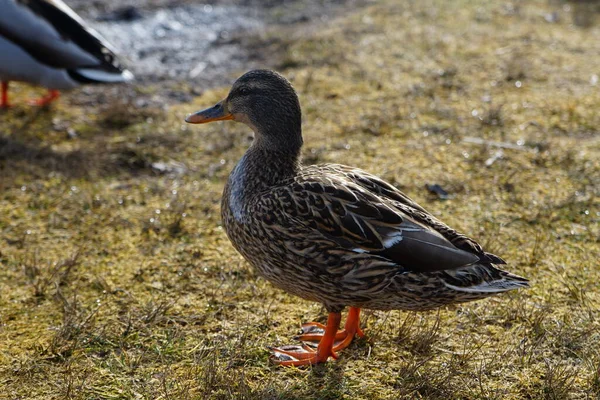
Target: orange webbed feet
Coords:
[(306, 354), (314, 331), (329, 340), (299, 355)]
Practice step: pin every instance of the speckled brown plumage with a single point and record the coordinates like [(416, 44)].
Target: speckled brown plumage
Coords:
[(336, 234)]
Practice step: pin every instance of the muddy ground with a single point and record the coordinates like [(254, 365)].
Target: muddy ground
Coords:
[(179, 48)]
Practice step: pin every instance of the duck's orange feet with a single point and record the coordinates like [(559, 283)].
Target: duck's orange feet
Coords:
[(44, 101), (306, 354), (4, 95), (298, 355), (314, 331)]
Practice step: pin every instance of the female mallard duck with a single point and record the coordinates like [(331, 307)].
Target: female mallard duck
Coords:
[(336, 234), (45, 43)]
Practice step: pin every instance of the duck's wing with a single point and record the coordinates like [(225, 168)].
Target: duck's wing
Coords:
[(382, 188), (361, 221), (54, 35)]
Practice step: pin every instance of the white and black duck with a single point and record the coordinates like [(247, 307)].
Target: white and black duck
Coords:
[(45, 43)]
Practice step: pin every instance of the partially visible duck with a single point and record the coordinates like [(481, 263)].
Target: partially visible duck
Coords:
[(43, 42), (336, 234)]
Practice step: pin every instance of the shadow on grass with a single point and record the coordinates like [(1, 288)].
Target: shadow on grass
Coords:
[(112, 140), (325, 381), (36, 159), (39, 159)]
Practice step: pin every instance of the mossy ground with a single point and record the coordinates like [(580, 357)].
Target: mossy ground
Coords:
[(118, 281)]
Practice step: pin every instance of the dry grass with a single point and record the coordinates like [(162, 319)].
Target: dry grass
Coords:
[(118, 282)]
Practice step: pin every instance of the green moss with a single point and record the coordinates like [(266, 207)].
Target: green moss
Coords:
[(118, 281)]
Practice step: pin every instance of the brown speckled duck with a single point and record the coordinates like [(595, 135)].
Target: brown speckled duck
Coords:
[(336, 234)]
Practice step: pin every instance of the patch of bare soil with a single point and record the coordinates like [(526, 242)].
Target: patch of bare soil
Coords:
[(177, 49)]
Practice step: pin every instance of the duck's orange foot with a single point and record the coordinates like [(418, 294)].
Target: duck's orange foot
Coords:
[(314, 331), (46, 100), (329, 338), (299, 355)]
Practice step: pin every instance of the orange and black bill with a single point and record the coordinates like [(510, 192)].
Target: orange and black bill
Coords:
[(216, 113)]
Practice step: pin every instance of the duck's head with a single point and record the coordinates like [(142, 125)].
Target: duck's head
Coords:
[(266, 102)]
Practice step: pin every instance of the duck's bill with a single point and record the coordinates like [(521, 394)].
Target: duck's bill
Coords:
[(215, 113)]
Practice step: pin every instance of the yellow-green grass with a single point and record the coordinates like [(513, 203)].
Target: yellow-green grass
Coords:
[(118, 282)]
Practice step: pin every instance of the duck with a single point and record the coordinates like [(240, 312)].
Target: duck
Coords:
[(336, 234), (45, 43)]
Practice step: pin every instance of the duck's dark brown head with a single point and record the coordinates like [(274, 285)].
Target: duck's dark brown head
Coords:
[(267, 103)]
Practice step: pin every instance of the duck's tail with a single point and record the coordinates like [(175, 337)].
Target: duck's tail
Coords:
[(100, 75), (484, 280)]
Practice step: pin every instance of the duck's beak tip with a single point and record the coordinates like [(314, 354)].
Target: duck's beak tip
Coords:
[(216, 113)]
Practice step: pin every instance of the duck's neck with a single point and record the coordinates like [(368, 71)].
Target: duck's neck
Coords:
[(264, 166)]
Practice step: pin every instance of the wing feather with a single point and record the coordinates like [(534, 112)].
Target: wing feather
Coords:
[(362, 220), (410, 207)]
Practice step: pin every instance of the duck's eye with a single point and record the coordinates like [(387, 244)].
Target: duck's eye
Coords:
[(244, 91)]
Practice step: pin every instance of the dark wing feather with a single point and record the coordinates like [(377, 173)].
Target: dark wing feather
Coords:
[(361, 221), (376, 185)]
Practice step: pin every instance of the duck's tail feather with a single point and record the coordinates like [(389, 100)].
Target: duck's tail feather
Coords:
[(503, 283), (94, 75), (493, 259)]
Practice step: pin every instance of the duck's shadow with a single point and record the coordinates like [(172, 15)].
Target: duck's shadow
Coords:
[(328, 375), (326, 379)]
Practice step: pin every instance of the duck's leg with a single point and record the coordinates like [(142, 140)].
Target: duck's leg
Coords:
[(351, 328), (305, 355), (4, 95), (49, 98), (313, 331)]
